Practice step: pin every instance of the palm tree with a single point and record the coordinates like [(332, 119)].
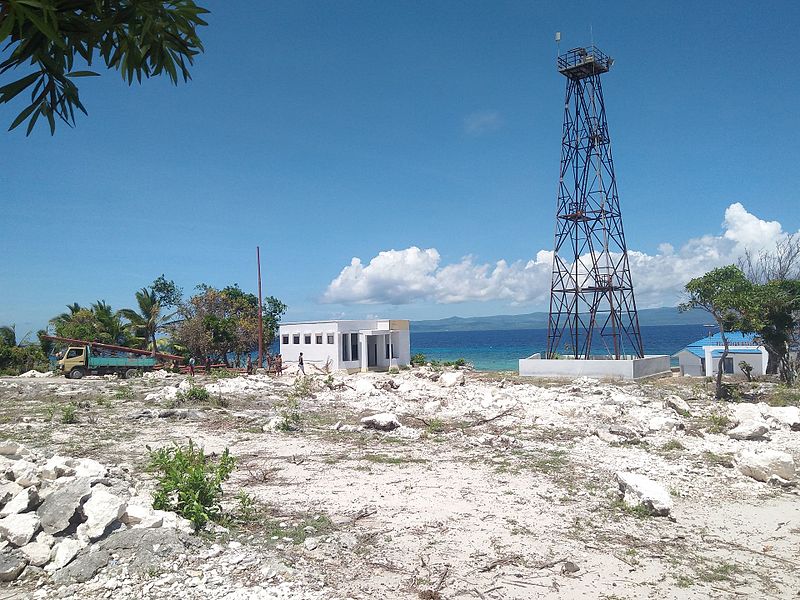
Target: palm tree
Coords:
[(110, 321), (149, 320), (66, 317)]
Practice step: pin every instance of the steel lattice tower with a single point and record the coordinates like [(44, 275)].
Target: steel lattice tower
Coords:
[(592, 307)]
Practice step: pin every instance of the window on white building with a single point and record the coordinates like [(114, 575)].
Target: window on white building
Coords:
[(345, 348), (318, 339), (296, 338), (354, 346), (307, 338), (285, 340), (330, 338)]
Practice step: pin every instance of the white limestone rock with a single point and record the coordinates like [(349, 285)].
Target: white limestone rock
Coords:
[(678, 404), (9, 489), (13, 449), (381, 422), (745, 412), (19, 529), (63, 552), (638, 490), (142, 517), (364, 387), (55, 467), (663, 424), (749, 430), (61, 504), (38, 554), (101, 510), (452, 379), (27, 499), (766, 465), (25, 473), (786, 415)]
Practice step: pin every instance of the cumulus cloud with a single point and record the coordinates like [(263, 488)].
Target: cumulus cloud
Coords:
[(414, 274), (481, 122)]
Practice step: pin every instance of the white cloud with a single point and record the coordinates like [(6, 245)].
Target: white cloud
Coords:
[(413, 274), (481, 122)]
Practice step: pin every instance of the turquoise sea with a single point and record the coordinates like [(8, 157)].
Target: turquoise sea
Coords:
[(500, 350)]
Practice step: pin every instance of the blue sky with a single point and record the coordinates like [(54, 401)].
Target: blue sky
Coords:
[(429, 131)]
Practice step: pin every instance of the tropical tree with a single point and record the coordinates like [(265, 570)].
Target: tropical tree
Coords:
[(168, 293), (727, 295), (17, 357), (61, 38), (111, 323), (66, 317), (148, 321), (81, 325), (223, 322)]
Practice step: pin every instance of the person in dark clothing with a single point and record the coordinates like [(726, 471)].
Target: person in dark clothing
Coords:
[(249, 365), (191, 366), (301, 364), (208, 365)]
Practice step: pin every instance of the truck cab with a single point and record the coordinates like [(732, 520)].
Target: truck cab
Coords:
[(74, 362)]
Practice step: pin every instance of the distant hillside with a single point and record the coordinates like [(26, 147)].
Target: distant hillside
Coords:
[(538, 320)]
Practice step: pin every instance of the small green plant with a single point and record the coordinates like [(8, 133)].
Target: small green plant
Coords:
[(672, 445), (640, 511), (123, 392), (784, 396), (394, 371), (718, 460), (290, 416), (69, 414), (328, 382), (718, 422), (418, 359), (51, 410), (189, 483), (223, 374), (247, 510), (303, 387), (195, 393), (684, 581), (720, 572), (457, 363), (435, 426)]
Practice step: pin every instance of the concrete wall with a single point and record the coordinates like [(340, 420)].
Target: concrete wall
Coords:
[(616, 369), (757, 361), (690, 364)]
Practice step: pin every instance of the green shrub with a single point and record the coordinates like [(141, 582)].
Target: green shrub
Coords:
[(418, 360), (303, 387), (195, 393), (190, 484), (68, 414), (291, 418)]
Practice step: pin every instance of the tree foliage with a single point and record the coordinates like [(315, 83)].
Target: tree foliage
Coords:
[(221, 322), (18, 357), (169, 295), (148, 321), (728, 296), (60, 39)]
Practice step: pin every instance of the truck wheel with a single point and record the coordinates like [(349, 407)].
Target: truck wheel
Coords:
[(131, 373), (76, 373)]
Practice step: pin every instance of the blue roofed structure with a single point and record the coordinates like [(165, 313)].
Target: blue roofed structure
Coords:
[(701, 358)]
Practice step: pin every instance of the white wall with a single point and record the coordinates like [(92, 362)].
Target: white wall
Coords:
[(322, 354), (690, 364), (617, 369), (313, 353)]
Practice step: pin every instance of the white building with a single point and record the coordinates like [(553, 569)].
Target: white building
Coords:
[(702, 357), (374, 344)]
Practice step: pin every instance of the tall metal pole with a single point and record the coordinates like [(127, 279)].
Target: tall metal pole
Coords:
[(260, 313)]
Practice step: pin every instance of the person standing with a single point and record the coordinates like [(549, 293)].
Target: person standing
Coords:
[(191, 366), (208, 365), (278, 364), (301, 364), (249, 365)]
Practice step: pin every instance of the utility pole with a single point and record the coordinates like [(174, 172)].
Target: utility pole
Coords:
[(260, 313)]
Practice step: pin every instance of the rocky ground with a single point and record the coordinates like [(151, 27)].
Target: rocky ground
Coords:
[(462, 485)]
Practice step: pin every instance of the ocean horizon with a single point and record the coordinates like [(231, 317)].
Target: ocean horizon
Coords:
[(500, 350)]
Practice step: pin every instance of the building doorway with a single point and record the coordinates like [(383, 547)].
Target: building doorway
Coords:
[(372, 351)]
